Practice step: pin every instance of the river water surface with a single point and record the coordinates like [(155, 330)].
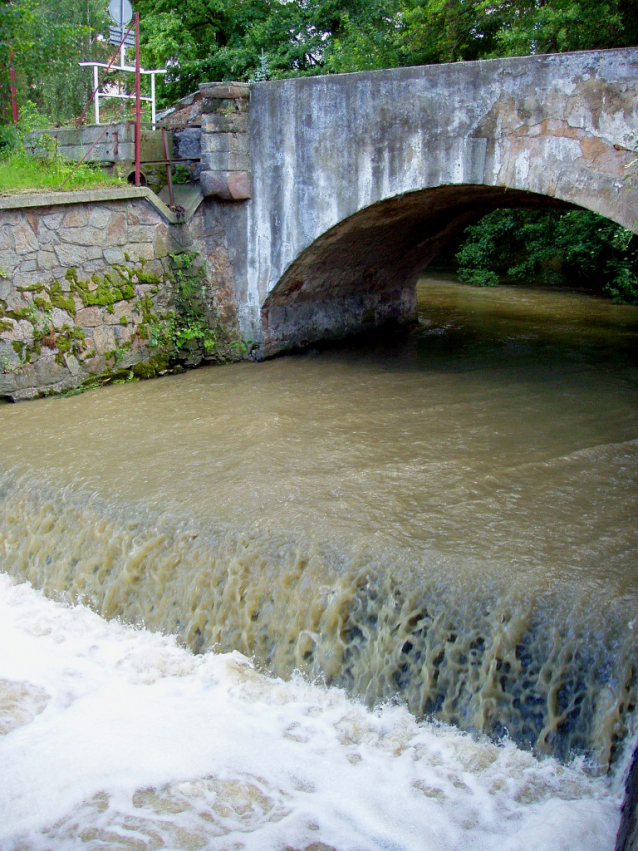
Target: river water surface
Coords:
[(440, 521)]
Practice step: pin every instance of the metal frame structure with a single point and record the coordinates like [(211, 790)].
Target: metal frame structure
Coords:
[(138, 71)]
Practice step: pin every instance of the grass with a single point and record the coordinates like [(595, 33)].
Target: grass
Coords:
[(20, 172)]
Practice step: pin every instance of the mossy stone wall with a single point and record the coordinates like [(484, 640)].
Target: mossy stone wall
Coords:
[(89, 292)]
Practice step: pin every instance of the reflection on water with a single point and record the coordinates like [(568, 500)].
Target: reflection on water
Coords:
[(445, 514)]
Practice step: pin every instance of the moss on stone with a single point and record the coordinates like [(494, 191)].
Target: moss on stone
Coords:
[(19, 347), (32, 288), (147, 278), (60, 299)]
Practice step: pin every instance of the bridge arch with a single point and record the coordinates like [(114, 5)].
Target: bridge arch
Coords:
[(364, 271), (359, 179)]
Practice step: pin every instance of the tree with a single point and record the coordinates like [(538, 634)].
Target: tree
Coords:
[(46, 39), (551, 247)]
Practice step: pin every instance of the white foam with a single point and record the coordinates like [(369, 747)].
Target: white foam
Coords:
[(105, 713)]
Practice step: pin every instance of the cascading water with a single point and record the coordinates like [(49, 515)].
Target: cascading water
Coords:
[(444, 519)]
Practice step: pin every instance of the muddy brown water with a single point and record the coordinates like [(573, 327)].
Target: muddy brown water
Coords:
[(444, 515)]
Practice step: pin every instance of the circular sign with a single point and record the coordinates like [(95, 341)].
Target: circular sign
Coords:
[(120, 11)]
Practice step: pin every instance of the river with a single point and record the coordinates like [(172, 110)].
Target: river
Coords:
[(429, 534)]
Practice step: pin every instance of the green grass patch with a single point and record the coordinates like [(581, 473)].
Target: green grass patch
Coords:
[(20, 172)]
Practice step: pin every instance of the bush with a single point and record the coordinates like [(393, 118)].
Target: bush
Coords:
[(549, 247)]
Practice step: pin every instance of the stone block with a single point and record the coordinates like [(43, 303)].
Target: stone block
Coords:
[(219, 122), (52, 221), (72, 364), (141, 213), (99, 218), (84, 236), (229, 186), (75, 255), (89, 317), (27, 279), (187, 143), (8, 356), (5, 239), (48, 370), (116, 232), (28, 266), (154, 267), (6, 286), (8, 384), (33, 217), (114, 255), (48, 237), (124, 334), (24, 239), (140, 251), (141, 233), (76, 217), (93, 266), (104, 339), (9, 263), (225, 142), (225, 161), (13, 333), (46, 260), (17, 300), (121, 310), (60, 318)]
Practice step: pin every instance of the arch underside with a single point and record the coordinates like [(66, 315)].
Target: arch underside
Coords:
[(363, 272)]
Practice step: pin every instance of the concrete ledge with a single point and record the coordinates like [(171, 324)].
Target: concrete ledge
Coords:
[(225, 91), (87, 196)]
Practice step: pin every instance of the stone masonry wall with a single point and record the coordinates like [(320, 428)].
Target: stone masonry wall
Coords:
[(84, 288)]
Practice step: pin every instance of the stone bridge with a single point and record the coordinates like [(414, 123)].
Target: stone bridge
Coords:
[(352, 183), (322, 200)]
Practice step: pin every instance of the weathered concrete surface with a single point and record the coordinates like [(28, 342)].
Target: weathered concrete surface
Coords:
[(110, 147), (359, 179)]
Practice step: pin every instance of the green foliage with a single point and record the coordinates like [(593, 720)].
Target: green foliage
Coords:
[(47, 39), (188, 328), (550, 248), (264, 39), (269, 39), (537, 26), (181, 174)]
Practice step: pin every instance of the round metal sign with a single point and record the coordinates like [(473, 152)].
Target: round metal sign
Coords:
[(120, 11)]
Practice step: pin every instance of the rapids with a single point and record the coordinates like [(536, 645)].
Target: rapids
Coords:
[(439, 520)]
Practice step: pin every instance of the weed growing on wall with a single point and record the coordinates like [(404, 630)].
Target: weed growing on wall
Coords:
[(171, 319)]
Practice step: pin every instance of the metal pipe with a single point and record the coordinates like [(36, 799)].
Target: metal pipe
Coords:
[(169, 178), (96, 86), (153, 100), (138, 104), (12, 90)]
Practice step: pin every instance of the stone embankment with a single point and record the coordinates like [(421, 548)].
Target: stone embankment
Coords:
[(88, 288)]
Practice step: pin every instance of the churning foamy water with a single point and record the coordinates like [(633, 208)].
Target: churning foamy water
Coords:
[(113, 737)]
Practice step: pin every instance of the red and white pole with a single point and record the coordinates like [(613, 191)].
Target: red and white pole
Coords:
[(138, 102), (12, 90)]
